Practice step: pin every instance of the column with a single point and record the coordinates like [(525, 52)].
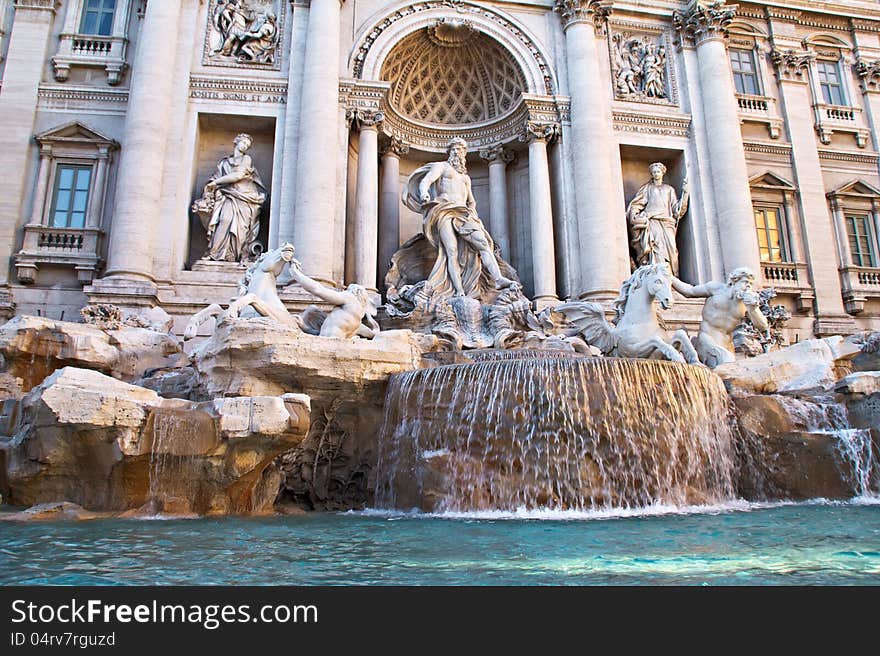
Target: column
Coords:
[(389, 204), (25, 59), (316, 183), (603, 239), (41, 192), (498, 157), (706, 25), (541, 213), (824, 248), (139, 186), (96, 206), (366, 209)]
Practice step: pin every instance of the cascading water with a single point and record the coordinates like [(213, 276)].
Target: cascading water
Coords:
[(525, 430), (853, 448)]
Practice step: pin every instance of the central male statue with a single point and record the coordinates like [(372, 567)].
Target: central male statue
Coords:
[(441, 192)]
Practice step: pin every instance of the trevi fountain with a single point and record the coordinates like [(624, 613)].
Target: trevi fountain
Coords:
[(455, 414)]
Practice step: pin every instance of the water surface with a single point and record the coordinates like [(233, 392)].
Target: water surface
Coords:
[(734, 544)]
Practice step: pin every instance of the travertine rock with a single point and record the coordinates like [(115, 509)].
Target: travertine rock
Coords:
[(34, 347), (50, 512), (107, 445), (861, 383), (259, 357), (808, 365)]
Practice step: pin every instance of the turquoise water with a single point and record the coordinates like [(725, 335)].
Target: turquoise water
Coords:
[(737, 544)]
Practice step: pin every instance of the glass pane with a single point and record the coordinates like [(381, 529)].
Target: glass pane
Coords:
[(759, 218), (90, 23), (79, 201), (65, 178), (106, 28), (62, 202), (77, 220), (762, 239), (751, 85), (59, 220), (82, 178), (775, 255)]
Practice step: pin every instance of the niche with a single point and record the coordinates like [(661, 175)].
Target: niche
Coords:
[(216, 132), (635, 161)]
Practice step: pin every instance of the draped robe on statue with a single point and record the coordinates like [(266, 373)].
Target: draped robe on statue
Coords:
[(476, 281), (654, 243), (233, 225)]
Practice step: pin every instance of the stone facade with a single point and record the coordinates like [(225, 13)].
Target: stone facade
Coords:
[(114, 122)]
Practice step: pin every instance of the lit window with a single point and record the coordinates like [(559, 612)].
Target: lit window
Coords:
[(745, 73), (97, 17), (861, 240), (768, 224), (71, 198), (830, 83)]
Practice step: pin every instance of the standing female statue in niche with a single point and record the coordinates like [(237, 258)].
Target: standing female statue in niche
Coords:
[(230, 205), (653, 216)]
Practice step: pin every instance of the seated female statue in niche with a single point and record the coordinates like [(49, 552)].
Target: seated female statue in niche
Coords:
[(230, 205)]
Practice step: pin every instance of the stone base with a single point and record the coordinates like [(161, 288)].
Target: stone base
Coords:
[(125, 293), (828, 325), (220, 267)]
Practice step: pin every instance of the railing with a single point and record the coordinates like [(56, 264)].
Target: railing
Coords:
[(68, 239), (867, 277), (92, 46), (840, 113), (781, 273), (755, 104)]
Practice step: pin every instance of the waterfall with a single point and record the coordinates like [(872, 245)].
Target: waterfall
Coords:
[(532, 430)]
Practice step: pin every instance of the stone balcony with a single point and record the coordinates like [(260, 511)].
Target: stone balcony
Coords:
[(45, 245), (107, 52), (859, 285), (759, 109), (840, 118), (789, 279)]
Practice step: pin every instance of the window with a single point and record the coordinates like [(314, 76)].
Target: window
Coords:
[(830, 82), (97, 17), (768, 223), (71, 198), (861, 240), (745, 73)]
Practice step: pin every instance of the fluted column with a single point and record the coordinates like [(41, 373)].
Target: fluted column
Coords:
[(389, 204), (366, 209), (706, 24), (541, 213), (603, 239), (498, 157), (26, 56), (316, 179), (139, 185)]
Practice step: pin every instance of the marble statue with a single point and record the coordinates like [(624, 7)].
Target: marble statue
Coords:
[(353, 314), (638, 67), (637, 330), (653, 215), (230, 205), (244, 33), (726, 305), (441, 193), (257, 293)]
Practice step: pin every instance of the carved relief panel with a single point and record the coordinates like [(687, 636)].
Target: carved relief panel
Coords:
[(640, 67), (244, 34)]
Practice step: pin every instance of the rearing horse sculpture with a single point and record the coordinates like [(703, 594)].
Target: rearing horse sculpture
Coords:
[(637, 331)]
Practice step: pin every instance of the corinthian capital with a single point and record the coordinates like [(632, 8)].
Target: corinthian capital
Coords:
[(539, 131), (791, 64), (394, 146), (498, 153), (364, 118), (869, 74), (584, 11), (702, 21)]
